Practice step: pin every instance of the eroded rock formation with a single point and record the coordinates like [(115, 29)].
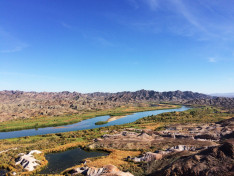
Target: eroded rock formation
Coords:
[(218, 160), (19, 104), (108, 170), (28, 161)]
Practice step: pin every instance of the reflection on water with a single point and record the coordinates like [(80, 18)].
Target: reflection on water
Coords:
[(63, 160)]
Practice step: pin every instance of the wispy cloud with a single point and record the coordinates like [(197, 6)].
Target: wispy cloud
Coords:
[(153, 4), (202, 20), (65, 25), (102, 41), (212, 60), (26, 75), (9, 43), (183, 10), (207, 20), (13, 50)]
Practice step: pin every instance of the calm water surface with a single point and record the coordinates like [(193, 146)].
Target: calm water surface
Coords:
[(63, 160), (3, 172), (85, 124)]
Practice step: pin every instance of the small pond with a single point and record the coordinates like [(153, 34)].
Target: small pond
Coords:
[(57, 162), (3, 172)]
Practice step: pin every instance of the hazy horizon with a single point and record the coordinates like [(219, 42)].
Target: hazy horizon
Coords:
[(114, 46)]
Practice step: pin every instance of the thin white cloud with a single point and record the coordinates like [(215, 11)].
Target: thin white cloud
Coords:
[(153, 4), (204, 21), (212, 60), (98, 40), (208, 20), (16, 49), (103, 41), (183, 10), (26, 75), (65, 25), (9, 43)]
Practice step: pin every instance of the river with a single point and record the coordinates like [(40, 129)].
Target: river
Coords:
[(85, 124)]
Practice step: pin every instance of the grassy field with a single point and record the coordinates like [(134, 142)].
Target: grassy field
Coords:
[(63, 141), (41, 122)]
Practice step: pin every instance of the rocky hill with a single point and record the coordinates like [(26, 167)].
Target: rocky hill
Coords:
[(150, 95), (19, 104), (216, 160), (226, 103)]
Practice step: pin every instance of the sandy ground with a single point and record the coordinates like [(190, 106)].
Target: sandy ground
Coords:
[(115, 118)]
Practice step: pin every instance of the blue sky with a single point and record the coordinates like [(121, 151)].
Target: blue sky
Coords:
[(117, 45)]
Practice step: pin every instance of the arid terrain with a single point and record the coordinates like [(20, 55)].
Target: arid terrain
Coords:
[(197, 141), (21, 105), (205, 149), (116, 88)]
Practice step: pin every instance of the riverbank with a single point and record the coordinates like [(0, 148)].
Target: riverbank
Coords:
[(63, 141), (116, 158), (51, 142), (85, 124), (42, 122)]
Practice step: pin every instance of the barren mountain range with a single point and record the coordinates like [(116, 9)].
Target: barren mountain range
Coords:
[(19, 104)]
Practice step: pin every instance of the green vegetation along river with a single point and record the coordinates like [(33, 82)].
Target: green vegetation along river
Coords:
[(85, 124)]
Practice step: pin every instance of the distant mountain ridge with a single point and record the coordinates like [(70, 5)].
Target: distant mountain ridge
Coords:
[(126, 96), (20, 104), (223, 102), (150, 95)]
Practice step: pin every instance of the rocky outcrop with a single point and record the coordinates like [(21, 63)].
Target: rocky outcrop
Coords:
[(28, 161), (147, 157), (212, 132), (218, 160), (180, 148), (130, 140), (150, 156), (178, 135), (108, 170)]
